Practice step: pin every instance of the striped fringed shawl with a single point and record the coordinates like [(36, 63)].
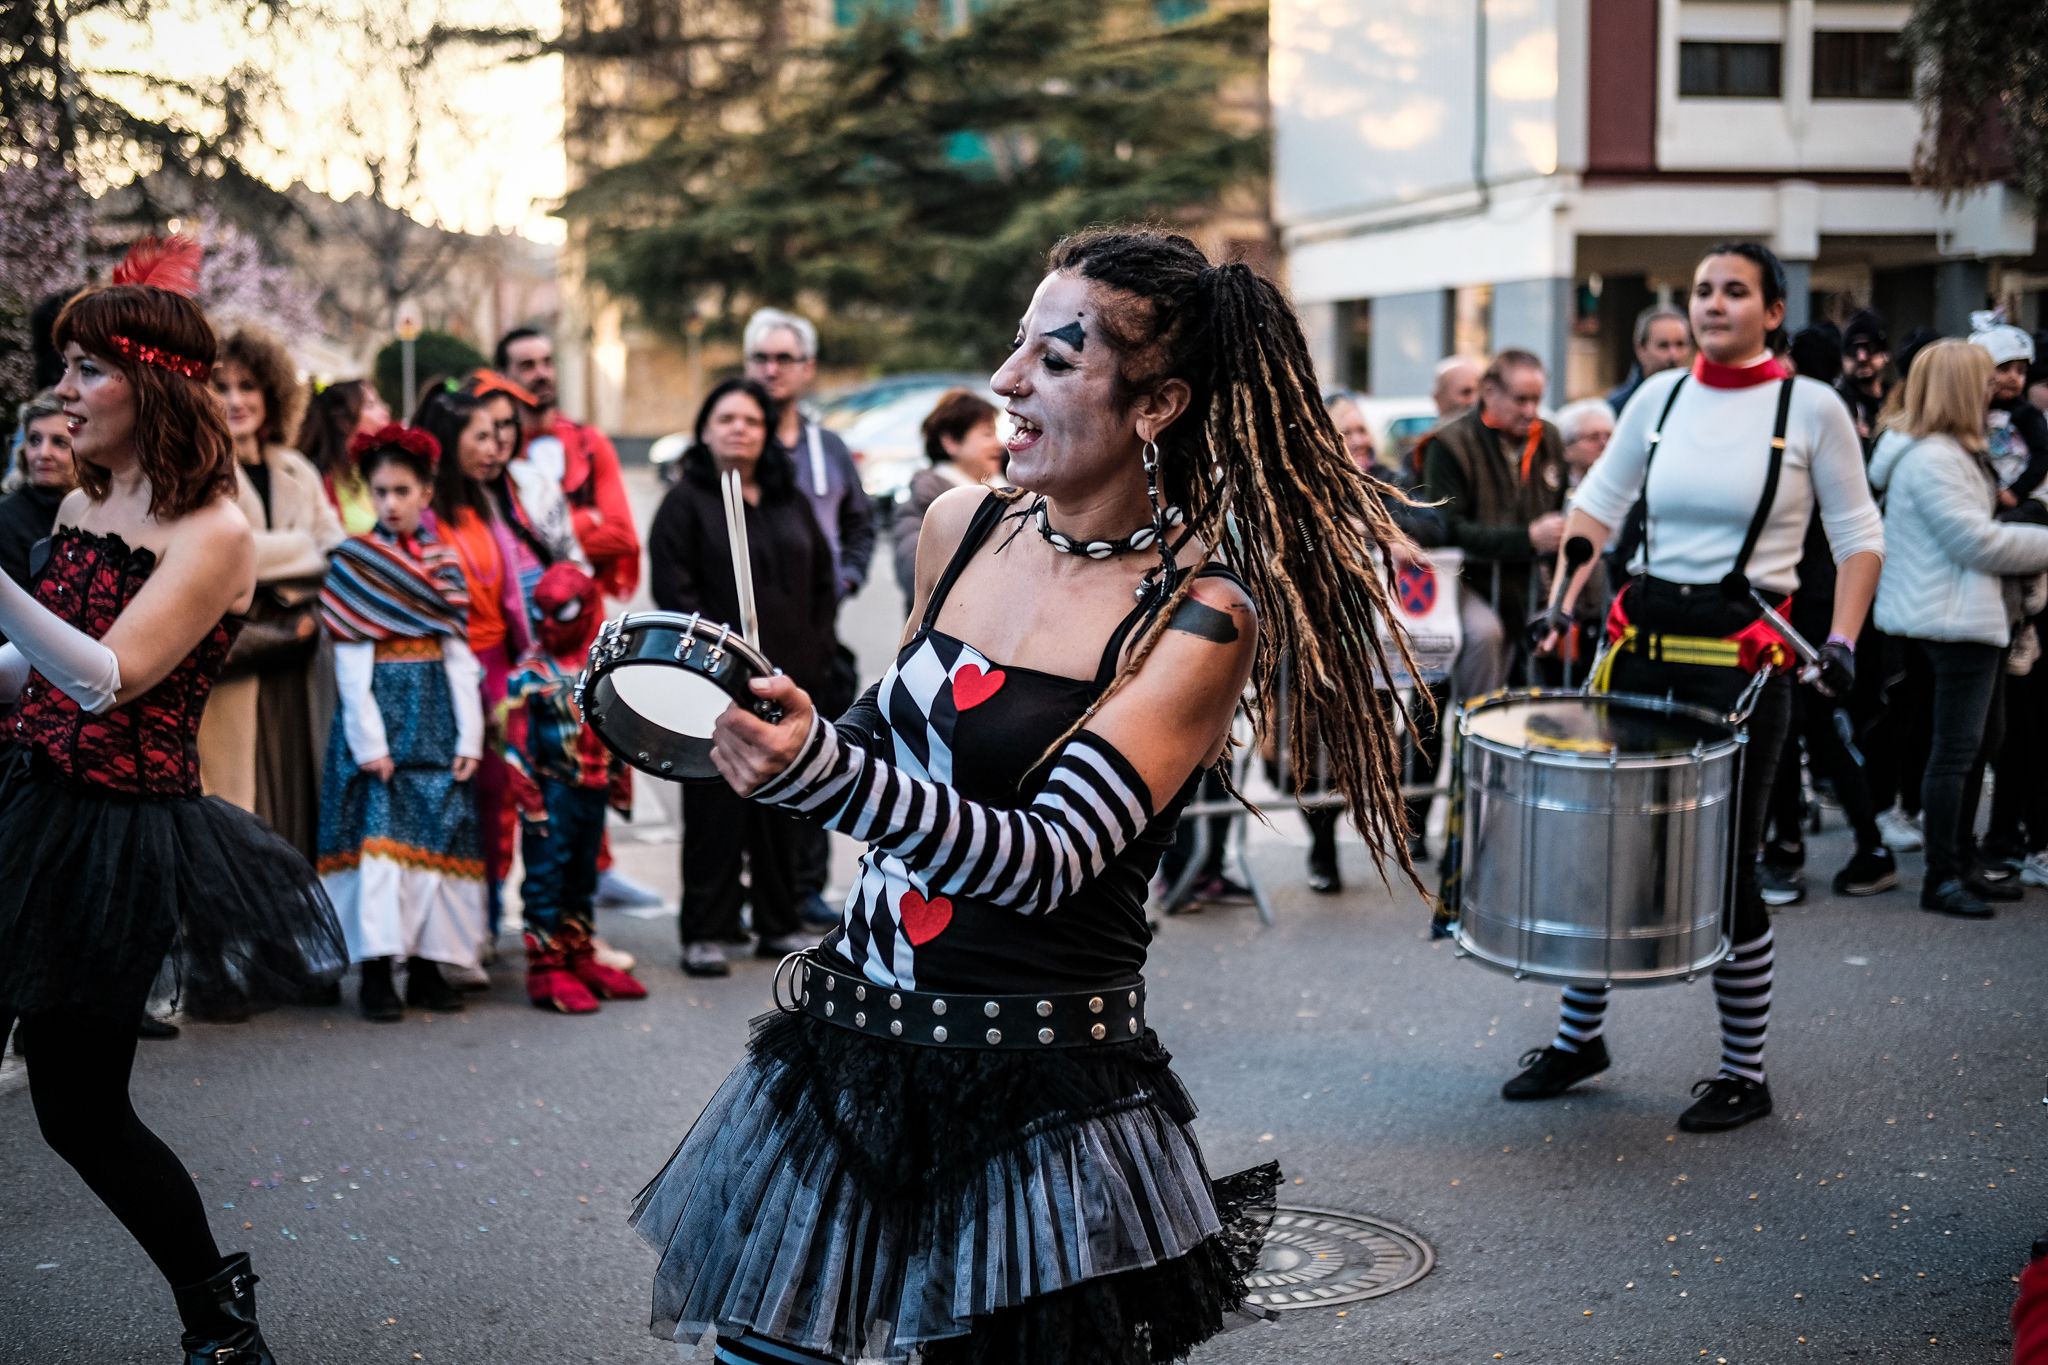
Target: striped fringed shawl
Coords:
[(384, 587)]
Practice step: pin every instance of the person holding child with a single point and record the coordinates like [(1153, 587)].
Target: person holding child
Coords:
[(562, 779), (399, 851)]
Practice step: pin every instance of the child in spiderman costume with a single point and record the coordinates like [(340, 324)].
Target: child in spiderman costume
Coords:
[(562, 779)]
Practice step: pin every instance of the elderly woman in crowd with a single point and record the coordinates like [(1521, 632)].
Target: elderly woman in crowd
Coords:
[(1585, 427), (42, 475), (257, 747), (960, 441)]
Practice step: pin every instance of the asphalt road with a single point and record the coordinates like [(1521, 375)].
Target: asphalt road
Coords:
[(453, 1189)]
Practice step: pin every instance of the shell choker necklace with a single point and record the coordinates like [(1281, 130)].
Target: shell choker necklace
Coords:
[(1141, 539)]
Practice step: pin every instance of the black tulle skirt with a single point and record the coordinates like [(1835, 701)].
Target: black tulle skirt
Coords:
[(108, 903), (877, 1201)]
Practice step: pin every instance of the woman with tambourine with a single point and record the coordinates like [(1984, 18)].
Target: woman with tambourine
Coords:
[(1730, 458), (958, 1137), (691, 551)]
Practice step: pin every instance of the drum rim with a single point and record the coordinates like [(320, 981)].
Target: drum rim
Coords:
[(1731, 740), (734, 643)]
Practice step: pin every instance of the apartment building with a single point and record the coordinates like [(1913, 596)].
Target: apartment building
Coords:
[(1465, 175)]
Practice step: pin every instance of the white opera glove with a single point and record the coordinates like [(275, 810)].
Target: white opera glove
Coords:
[(13, 672), (77, 665)]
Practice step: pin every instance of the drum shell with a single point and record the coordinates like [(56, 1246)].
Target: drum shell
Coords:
[(1598, 869), (673, 642)]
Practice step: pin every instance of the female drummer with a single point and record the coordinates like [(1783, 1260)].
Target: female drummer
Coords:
[(111, 862), (1731, 457), (962, 1139)]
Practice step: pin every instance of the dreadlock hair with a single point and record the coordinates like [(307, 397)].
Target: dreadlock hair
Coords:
[(1257, 465)]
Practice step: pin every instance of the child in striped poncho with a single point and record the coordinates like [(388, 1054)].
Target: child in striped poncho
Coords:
[(399, 852)]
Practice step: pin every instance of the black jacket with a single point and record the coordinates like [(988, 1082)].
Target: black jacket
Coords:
[(796, 582)]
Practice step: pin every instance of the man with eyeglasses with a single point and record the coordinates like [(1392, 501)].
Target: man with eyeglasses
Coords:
[(782, 357), (1866, 352)]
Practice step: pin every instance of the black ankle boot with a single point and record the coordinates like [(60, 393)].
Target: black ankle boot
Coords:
[(1323, 876), (375, 995), (219, 1314), (427, 989)]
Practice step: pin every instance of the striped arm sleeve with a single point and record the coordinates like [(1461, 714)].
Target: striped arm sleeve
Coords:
[(1093, 805)]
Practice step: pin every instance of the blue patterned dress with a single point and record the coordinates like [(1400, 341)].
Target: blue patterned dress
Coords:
[(401, 858)]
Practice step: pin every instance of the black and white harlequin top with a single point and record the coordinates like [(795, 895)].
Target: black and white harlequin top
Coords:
[(981, 875)]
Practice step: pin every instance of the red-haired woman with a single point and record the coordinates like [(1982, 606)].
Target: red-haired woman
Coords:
[(112, 865)]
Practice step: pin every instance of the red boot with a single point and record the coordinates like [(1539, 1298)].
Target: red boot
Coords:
[(550, 985), (607, 983)]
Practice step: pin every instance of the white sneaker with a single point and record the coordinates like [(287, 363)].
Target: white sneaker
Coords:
[(2034, 871), (1901, 831), (618, 959), (466, 978), (616, 891)]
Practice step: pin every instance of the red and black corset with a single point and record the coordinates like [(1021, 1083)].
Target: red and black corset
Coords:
[(145, 747)]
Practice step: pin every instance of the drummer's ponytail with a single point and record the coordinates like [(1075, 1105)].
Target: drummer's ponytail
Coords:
[(1259, 468)]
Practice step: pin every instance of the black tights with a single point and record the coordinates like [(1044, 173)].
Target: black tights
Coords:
[(78, 1067)]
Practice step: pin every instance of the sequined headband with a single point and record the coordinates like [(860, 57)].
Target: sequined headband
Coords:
[(146, 354)]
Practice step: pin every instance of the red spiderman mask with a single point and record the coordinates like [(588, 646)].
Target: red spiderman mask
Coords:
[(569, 608)]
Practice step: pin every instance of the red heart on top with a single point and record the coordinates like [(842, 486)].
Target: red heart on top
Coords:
[(923, 920), (972, 687)]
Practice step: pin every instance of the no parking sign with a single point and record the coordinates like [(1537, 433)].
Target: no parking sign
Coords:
[(1425, 598)]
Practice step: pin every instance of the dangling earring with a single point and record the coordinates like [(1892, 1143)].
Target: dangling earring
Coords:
[(1164, 583)]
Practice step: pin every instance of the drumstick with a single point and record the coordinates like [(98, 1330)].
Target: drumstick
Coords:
[(742, 562)]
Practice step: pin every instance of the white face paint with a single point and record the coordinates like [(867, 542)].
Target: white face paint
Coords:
[(1072, 431)]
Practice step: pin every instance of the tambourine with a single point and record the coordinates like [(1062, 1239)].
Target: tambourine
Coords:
[(657, 681)]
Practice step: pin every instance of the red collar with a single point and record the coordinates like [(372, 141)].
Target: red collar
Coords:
[(1737, 376)]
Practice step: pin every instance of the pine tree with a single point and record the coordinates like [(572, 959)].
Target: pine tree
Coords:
[(905, 179)]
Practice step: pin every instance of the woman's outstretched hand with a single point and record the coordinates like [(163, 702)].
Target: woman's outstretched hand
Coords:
[(747, 750)]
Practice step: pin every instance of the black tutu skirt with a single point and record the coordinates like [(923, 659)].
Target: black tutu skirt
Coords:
[(109, 903), (877, 1201)]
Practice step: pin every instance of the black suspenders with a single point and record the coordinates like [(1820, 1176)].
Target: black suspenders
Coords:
[(1736, 584)]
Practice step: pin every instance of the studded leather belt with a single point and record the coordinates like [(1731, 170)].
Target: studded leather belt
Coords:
[(1016, 1023)]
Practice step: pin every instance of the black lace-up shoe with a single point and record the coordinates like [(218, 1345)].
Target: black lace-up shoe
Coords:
[(1725, 1102), (1952, 897), (1871, 871), (1548, 1071)]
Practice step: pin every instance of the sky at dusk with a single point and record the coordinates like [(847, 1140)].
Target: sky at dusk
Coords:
[(490, 131)]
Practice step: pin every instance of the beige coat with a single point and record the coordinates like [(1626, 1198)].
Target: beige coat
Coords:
[(292, 543)]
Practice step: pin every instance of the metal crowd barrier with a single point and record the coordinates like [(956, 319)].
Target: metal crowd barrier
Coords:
[(1423, 769)]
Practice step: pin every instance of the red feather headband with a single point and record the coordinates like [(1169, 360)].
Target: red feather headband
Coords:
[(171, 264), (409, 439)]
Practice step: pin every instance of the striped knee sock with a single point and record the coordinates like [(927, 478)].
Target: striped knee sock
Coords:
[(748, 1349), (1582, 1018), (1742, 991)]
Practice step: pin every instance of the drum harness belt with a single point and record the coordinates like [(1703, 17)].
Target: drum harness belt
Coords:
[(1037, 1022), (1754, 648)]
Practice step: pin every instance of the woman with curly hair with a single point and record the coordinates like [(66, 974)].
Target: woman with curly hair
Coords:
[(259, 747)]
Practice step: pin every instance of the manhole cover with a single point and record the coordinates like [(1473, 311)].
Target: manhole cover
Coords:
[(1317, 1257)]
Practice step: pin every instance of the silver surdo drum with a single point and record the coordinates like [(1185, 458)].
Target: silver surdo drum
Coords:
[(1598, 836)]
